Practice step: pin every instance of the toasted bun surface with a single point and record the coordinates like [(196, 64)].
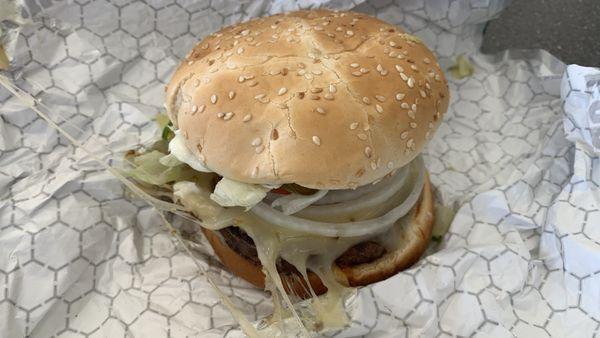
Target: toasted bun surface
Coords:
[(327, 100), (414, 239)]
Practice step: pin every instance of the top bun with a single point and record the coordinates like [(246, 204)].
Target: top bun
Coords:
[(323, 99)]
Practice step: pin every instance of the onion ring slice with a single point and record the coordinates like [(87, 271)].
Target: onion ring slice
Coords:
[(349, 229)]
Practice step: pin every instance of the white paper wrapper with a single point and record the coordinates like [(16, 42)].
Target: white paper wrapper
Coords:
[(518, 153)]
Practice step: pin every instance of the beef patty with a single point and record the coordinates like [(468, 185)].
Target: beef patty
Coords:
[(238, 240)]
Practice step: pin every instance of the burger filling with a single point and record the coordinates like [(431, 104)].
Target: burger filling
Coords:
[(287, 229)]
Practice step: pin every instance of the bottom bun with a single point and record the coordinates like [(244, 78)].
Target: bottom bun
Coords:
[(414, 238)]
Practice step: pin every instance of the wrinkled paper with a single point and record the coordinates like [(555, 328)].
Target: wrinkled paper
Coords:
[(517, 156)]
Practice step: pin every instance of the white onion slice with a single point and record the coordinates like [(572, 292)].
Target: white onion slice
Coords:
[(339, 196), (350, 229), (361, 204), (292, 203)]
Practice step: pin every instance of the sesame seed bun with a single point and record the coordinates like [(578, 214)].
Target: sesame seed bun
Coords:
[(415, 237), (326, 100)]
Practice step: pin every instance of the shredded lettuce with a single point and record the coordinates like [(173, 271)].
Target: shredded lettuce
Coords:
[(170, 161), (230, 193), (196, 199), (149, 169)]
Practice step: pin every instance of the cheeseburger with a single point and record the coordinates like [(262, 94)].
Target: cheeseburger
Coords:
[(294, 140)]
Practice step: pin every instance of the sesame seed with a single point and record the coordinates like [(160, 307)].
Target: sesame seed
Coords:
[(411, 82), (338, 29), (426, 60), (437, 77), (362, 136), (413, 67), (350, 33), (380, 98), (328, 96), (256, 142), (404, 135), (379, 108), (320, 110), (241, 79), (308, 76), (301, 72), (366, 100), (282, 91), (317, 72), (390, 165), (201, 108), (373, 165), (399, 68), (368, 152), (364, 70), (393, 54), (392, 44), (259, 149), (255, 172), (400, 96), (354, 65), (427, 85), (316, 140), (191, 62), (249, 77), (357, 73), (240, 50), (220, 115), (228, 116), (404, 105), (332, 88), (274, 72), (318, 28), (414, 107), (231, 95), (213, 98), (379, 67), (194, 109), (384, 72), (316, 90), (353, 125), (410, 143), (404, 77), (314, 97), (247, 118), (423, 94), (259, 96), (252, 83), (411, 114), (413, 125)]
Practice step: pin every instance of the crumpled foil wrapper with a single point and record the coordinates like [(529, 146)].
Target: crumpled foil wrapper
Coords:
[(517, 156)]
